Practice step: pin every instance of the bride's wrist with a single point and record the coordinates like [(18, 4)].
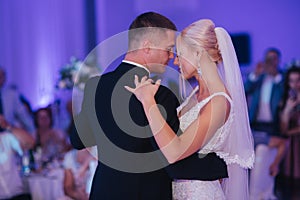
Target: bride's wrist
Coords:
[(148, 101)]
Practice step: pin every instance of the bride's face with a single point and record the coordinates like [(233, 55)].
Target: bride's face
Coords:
[(185, 60), (43, 119), (294, 81)]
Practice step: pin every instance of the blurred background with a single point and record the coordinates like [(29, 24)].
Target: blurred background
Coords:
[(38, 37), (44, 43)]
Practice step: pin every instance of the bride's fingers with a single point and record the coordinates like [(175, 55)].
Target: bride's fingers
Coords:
[(136, 80), (144, 79), (129, 89), (158, 82), (149, 80)]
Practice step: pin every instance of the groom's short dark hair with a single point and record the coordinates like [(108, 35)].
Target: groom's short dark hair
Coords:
[(148, 24), (152, 19)]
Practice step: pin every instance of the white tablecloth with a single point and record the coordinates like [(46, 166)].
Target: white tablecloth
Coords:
[(47, 186), (261, 182)]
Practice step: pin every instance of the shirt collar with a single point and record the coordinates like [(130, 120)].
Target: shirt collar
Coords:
[(276, 79), (137, 64)]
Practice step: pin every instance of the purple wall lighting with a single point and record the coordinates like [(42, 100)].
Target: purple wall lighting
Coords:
[(38, 37)]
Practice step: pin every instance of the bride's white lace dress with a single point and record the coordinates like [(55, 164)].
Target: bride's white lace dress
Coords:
[(196, 189)]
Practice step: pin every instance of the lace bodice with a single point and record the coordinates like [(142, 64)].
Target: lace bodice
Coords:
[(215, 143)]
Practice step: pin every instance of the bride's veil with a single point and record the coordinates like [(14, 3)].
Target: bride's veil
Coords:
[(238, 147)]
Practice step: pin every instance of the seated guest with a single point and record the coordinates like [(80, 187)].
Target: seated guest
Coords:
[(50, 141), (13, 142), (79, 167)]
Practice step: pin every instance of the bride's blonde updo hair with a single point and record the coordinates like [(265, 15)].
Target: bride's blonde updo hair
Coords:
[(201, 35)]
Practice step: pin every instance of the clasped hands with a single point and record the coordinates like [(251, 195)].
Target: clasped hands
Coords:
[(145, 89)]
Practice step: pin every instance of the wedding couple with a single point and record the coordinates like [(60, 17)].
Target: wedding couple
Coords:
[(143, 153)]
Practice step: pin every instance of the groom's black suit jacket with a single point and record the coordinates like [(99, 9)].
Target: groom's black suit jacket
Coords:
[(129, 166)]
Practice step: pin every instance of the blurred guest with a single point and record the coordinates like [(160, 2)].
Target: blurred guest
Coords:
[(51, 142), (290, 123), (61, 117), (11, 107), (264, 86), (13, 142), (79, 167), (27, 105), (69, 108)]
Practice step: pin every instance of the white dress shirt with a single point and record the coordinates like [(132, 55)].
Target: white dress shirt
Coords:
[(10, 180)]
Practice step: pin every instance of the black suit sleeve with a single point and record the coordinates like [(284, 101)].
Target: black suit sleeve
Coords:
[(194, 167), (82, 135), (168, 104)]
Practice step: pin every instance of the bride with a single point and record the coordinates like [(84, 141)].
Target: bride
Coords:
[(213, 119)]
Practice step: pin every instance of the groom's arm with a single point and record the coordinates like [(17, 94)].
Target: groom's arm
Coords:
[(82, 135), (169, 104), (195, 167)]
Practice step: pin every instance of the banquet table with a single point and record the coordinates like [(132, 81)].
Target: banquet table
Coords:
[(46, 185)]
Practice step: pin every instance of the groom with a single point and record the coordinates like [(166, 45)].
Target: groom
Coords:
[(130, 164)]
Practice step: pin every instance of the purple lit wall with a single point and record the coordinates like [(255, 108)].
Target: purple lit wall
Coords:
[(38, 37), (268, 22)]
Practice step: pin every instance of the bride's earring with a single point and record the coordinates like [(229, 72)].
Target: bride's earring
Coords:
[(182, 87), (199, 54), (199, 71)]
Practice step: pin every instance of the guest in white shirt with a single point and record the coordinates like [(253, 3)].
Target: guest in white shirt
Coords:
[(12, 108), (264, 89), (13, 142), (80, 166)]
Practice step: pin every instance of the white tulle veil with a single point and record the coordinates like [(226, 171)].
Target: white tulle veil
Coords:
[(238, 149)]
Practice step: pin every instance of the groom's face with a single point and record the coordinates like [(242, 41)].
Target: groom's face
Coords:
[(162, 53)]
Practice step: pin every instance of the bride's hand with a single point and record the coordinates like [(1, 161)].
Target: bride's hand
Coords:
[(144, 89)]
